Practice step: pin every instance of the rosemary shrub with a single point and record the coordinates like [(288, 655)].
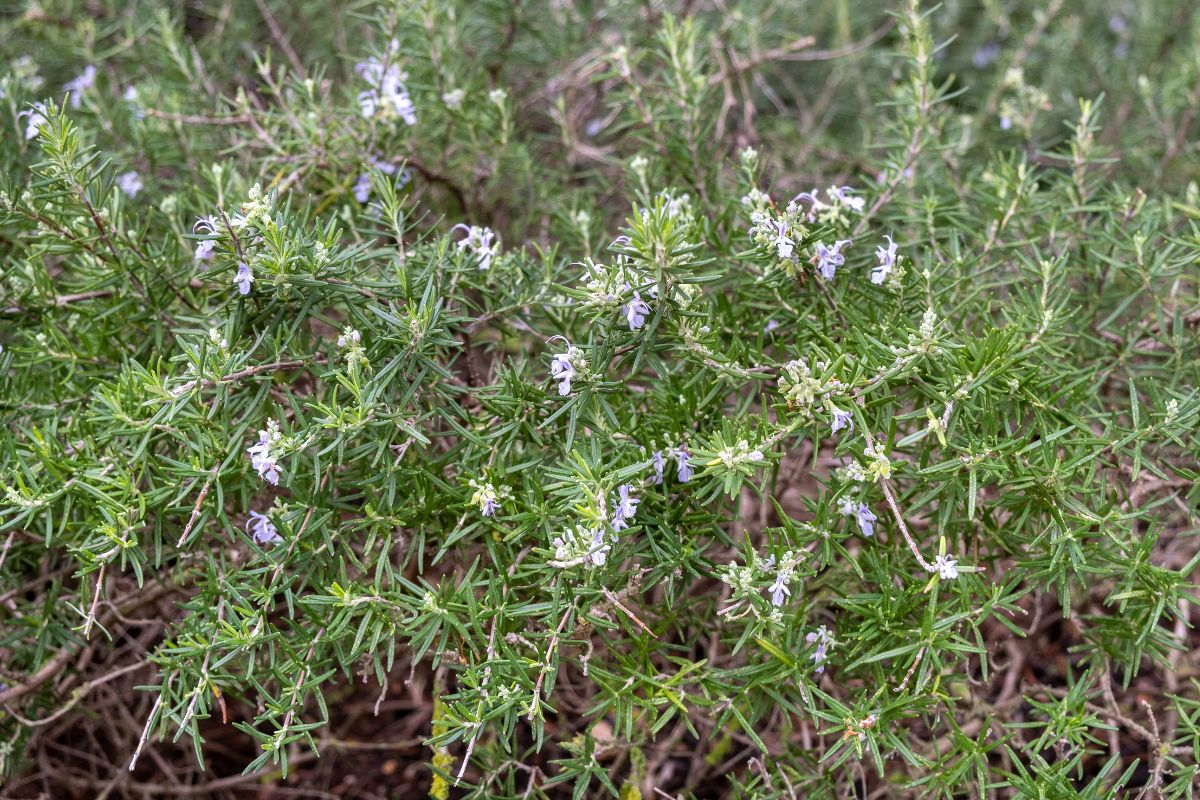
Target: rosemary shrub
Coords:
[(502, 356)]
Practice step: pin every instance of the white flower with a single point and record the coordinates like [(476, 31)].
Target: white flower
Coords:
[(454, 99), (945, 567)]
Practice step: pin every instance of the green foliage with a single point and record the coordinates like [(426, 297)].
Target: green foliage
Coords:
[(870, 487)]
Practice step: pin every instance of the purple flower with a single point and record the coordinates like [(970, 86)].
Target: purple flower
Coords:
[(262, 459), (264, 532), (862, 513), (129, 182), (636, 312), (362, 188), (842, 419), (985, 55), (782, 242), (683, 458), (887, 260), (828, 259), (626, 507), (659, 465), (814, 202), (479, 241), (599, 549), (562, 370), (244, 278), (780, 590), (842, 193), (822, 639), (866, 520), (387, 93), (36, 118), (80, 84), (204, 250)]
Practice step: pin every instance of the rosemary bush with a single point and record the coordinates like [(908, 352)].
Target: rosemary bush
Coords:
[(490, 375)]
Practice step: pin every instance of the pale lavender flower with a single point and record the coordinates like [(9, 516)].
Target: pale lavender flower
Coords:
[(80, 84), (815, 204), (387, 92), (843, 194), (264, 531), (862, 514), (887, 261), (946, 567), (129, 182), (779, 589), (562, 370), (599, 549), (842, 419), (205, 225), (244, 278), (130, 96), (683, 459), (480, 241), (770, 326), (386, 167), (262, 459), (35, 119), (362, 188), (985, 55), (828, 259), (866, 520), (659, 465), (626, 507), (780, 240), (204, 251), (822, 639), (636, 311)]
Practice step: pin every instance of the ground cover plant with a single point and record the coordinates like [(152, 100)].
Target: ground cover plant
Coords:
[(581, 399)]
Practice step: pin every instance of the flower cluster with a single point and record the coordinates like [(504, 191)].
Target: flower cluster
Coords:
[(807, 393), (262, 453), (837, 209), (81, 83), (565, 366), (749, 580), (824, 641), (736, 455), (480, 242), (582, 545), (387, 96), (488, 497)]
